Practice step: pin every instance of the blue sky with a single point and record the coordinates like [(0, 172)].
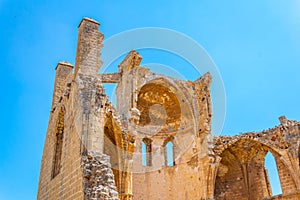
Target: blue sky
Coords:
[(255, 45)]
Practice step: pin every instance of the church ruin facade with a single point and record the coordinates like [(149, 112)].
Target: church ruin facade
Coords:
[(156, 143)]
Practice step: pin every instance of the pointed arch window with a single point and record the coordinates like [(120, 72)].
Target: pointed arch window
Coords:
[(272, 175), (169, 153), (147, 152), (299, 154), (58, 144)]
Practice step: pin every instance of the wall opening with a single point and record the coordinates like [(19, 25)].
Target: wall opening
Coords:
[(169, 154), (110, 89), (111, 149), (58, 144), (272, 172), (147, 152), (299, 154)]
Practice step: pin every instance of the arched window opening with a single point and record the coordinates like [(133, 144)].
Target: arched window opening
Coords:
[(272, 173), (299, 154), (169, 154), (147, 152), (111, 149), (144, 159), (58, 144)]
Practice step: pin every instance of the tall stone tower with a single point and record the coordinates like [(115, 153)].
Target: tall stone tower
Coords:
[(156, 143)]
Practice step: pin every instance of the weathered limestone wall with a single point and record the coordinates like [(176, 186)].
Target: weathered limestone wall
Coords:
[(230, 182), (73, 151), (241, 173), (67, 184), (94, 151), (181, 114), (176, 182), (182, 181), (63, 75), (88, 47), (98, 178)]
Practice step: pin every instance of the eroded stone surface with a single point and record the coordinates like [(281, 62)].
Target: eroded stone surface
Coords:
[(100, 146), (98, 178)]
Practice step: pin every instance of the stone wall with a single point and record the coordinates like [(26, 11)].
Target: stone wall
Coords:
[(94, 151), (168, 110), (73, 128), (98, 178), (241, 168), (67, 184)]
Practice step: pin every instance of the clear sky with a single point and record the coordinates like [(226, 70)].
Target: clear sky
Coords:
[(255, 45)]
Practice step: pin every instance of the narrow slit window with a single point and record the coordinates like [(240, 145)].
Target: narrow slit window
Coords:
[(147, 152), (299, 153), (169, 154), (58, 145), (144, 159)]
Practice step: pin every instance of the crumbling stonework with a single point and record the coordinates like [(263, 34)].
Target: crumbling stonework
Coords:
[(241, 173), (98, 178), (157, 142)]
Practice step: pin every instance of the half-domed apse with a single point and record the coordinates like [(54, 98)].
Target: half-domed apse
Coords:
[(159, 106)]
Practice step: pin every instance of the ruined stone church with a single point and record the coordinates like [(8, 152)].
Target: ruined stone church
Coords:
[(156, 143)]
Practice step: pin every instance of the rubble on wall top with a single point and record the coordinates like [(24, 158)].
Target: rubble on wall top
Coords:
[(272, 137)]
